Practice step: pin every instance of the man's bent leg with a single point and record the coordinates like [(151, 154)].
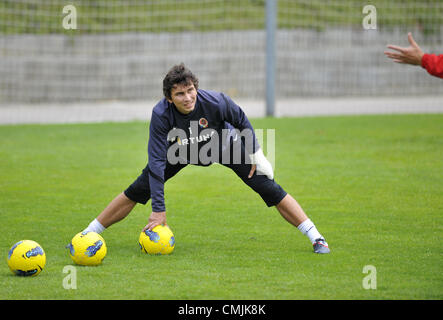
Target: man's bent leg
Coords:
[(294, 214), (116, 210), (138, 192), (274, 195), (291, 210)]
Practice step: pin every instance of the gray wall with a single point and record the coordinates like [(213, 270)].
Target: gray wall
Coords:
[(336, 62)]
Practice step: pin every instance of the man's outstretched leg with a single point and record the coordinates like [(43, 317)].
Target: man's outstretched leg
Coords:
[(116, 210), (294, 214), (274, 195), (138, 192)]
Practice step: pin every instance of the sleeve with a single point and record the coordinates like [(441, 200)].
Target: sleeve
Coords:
[(157, 153), (433, 64), (233, 114)]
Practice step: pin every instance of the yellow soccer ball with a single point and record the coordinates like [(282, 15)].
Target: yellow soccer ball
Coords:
[(158, 241), (26, 258), (87, 249)]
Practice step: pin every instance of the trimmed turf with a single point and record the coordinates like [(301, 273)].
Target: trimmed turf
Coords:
[(372, 185)]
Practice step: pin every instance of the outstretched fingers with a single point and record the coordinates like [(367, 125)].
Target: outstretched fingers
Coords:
[(412, 41), (397, 48)]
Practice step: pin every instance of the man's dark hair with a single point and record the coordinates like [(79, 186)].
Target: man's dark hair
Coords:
[(178, 74)]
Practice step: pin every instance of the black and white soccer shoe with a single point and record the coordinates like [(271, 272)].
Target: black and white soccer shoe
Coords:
[(321, 246)]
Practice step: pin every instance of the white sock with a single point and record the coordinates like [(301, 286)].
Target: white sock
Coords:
[(95, 226), (308, 228)]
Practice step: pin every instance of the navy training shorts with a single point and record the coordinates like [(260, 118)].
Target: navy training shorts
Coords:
[(271, 192)]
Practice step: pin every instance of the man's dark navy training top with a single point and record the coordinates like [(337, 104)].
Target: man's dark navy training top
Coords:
[(214, 113)]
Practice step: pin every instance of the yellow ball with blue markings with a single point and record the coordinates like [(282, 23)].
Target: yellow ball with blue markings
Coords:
[(87, 249), (160, 240), (26, 258)]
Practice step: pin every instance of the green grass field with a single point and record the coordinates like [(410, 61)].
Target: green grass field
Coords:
[(372, 185)]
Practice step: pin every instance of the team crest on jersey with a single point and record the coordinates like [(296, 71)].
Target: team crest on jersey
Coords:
[(203, 123)]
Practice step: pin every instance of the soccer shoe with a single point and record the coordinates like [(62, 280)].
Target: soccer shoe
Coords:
[(321, 246)]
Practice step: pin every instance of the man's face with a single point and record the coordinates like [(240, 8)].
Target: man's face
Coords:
[(184, 96)]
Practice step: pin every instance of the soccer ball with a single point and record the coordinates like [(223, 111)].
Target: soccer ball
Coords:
[(26, 258), (158, 241), (87, 249)]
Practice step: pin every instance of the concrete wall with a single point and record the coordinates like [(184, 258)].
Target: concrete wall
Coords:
[(58, 68)]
